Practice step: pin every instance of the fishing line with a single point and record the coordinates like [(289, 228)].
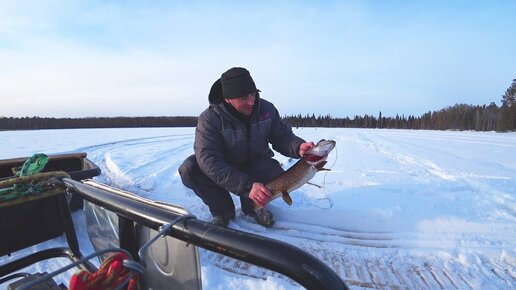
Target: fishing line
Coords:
[(330, 201)]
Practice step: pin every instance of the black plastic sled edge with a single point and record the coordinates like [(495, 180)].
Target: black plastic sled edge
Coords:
[(265, 252)]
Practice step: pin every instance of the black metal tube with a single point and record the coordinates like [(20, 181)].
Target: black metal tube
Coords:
[(268, 253), (28, 260)]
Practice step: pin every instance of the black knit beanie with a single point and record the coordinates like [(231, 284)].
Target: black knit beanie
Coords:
[(237, 82)]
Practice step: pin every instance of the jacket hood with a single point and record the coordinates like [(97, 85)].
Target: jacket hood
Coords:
[(215, 96)]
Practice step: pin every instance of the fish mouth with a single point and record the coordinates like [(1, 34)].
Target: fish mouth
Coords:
[(313, 158), (319, 152)]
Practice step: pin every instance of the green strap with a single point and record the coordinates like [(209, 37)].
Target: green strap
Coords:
[(32, 166)]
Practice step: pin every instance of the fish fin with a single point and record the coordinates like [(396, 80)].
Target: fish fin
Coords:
[(320, 166), (286, 197), (316, 185)]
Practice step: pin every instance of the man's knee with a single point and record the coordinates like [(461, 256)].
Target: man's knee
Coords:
[(187, 170)]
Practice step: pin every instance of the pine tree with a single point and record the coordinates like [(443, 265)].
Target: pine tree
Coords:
[(509, 97), (508, 115)]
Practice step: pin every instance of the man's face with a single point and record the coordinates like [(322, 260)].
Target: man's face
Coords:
[(244, 105)]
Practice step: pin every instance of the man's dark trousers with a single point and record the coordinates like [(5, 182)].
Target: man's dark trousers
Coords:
[(215, 197)]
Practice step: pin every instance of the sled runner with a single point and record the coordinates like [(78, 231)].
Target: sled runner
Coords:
[(142, 243)]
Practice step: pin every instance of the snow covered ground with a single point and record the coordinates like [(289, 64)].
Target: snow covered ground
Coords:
[(400, 209)]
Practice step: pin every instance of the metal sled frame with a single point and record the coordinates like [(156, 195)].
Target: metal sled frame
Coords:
[(268, 253)]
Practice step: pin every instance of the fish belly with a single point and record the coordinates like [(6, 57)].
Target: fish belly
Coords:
[(292, 179)]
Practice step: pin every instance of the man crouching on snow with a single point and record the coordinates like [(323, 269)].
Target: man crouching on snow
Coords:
[(232, 151)]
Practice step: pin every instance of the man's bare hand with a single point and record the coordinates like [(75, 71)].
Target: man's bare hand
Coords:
[(260, 194), (305, 147)]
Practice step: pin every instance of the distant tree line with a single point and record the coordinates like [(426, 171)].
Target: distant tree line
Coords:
[(457, 117), (34, 123)]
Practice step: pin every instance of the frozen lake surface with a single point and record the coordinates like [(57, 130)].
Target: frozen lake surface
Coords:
[(400, 209)]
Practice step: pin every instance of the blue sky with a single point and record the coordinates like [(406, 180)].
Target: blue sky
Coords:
[(156, 58)]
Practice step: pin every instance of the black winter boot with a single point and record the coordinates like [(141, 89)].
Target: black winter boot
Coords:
[(264, 217), (222, 220)]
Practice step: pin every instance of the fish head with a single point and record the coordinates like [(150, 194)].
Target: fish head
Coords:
[(319, 152)]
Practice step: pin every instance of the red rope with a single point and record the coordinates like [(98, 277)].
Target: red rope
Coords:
[(110, 275)]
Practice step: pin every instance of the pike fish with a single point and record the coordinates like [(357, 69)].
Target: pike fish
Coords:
[(301, 172)]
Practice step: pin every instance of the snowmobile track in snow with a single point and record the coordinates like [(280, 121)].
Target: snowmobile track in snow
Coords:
[(377, 260), (377, 273)]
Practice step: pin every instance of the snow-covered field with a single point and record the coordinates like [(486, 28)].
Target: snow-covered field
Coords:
[(400, 209)]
